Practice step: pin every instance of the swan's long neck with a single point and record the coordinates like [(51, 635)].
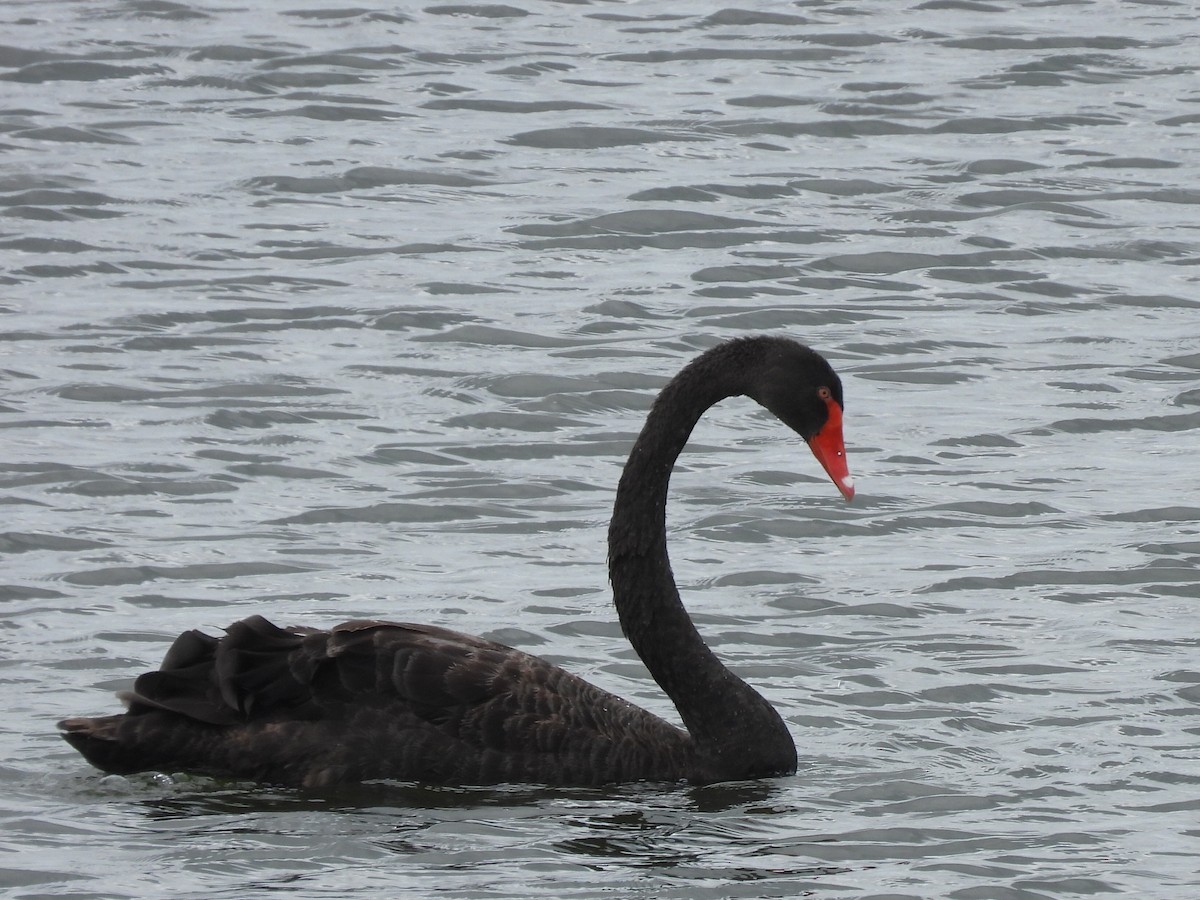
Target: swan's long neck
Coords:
[(737, 733)]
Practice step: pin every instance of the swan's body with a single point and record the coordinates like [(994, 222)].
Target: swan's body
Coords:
[(378, 700)]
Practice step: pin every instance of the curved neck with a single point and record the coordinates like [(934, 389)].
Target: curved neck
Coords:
[(737, 733)]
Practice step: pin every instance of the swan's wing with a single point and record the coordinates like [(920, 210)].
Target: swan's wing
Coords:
[(375, 700), (254, 669)]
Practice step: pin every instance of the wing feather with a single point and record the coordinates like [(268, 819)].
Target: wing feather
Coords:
[(375, 700)]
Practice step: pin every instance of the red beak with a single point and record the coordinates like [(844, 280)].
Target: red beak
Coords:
[(829, 448)]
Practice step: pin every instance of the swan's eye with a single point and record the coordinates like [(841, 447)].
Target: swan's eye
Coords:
[(823, 393)]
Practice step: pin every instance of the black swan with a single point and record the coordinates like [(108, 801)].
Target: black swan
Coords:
[(380, 700)]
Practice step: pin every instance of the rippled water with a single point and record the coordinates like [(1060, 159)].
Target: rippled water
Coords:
[(324, 312)]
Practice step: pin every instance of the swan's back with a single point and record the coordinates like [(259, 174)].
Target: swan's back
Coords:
[(376, 700)]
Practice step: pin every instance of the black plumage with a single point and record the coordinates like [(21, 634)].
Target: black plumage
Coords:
[(378, 700)]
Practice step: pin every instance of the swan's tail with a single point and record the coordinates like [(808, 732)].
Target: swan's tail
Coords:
[(98, 740)]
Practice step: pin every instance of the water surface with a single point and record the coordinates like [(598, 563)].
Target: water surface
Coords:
[(334, 312)]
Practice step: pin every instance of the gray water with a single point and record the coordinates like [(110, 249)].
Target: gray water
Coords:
[(326, 312)]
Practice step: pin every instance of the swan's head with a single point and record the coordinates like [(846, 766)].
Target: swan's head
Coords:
[(802, 390)]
